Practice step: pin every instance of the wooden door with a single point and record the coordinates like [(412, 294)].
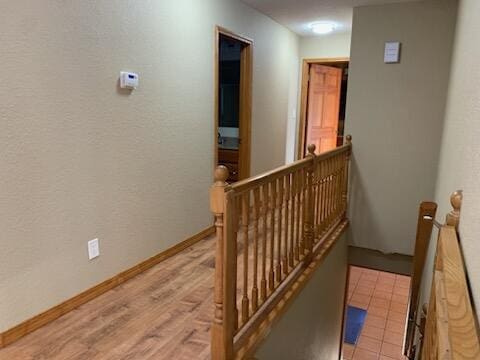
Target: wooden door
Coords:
[(323, 105)]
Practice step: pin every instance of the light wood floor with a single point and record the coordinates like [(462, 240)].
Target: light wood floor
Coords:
[(164, 313)]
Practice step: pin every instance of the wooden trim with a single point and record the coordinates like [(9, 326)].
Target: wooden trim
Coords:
[(345, 308), (326, 60), (249, 346), (461, 337), (451, 331), (258, 180), (245, 116), (57, 311), (303, 110), (233, 35), (426, 217), (451, 323), (301, 137)]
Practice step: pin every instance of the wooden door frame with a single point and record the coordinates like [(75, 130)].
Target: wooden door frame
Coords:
[(301, 137), (245, 105)]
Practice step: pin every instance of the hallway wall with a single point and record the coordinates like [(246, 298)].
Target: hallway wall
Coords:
[(325, 46), (82, 159), (311, 328), (460, 152), (395, 114)]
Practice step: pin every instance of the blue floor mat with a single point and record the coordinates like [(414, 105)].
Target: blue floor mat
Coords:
[(355, 320)]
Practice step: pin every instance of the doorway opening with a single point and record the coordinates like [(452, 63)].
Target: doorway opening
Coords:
[(233, 97), (322, 105)]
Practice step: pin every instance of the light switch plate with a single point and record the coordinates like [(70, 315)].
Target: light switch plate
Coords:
[(392, 52), (93, 249)]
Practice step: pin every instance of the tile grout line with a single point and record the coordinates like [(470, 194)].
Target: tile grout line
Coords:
[(389, 311), (368, 306)]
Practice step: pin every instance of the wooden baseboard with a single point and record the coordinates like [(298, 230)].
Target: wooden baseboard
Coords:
[(54, 313)]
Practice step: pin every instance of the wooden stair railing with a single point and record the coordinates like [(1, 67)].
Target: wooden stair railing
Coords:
[(426, 219), (268, 229), (448, 329)]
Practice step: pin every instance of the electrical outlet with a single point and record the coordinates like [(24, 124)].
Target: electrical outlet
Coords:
[(93, 249)]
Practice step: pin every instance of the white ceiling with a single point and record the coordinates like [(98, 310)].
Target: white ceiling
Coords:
[(298, 14)]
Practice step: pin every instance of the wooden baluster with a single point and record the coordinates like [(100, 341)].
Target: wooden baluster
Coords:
[(330, 190), (322, 196), (325, 193), (279, 239), (337, 185), (331, 194), (309, 205), (318, 180), (340, 185), (302, 211), (334, 187), (335, 179), (345, 175), (222, 327), (286, 182), (235, 215), (263, 281), (342, 181), (326, 184), (273, 206), (256, 200), (245, 217), (292, 221), (314, 196), (298, 187), (318, 220), (315, 200)]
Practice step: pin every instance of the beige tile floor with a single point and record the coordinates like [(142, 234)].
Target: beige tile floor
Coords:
[(384, 296)]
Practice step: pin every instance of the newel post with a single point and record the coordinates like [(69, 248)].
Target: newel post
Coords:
[(221, 346), (453, 217), (309, 208)]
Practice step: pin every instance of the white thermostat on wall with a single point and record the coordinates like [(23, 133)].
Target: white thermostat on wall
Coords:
[(128, 80)]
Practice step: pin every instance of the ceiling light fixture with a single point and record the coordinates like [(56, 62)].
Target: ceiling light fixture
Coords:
[(322, 27)]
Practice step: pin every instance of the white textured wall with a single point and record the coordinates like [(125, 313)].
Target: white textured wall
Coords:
[(460, 155), (395, 113), (81, 159), (311, 328), (325, 46)]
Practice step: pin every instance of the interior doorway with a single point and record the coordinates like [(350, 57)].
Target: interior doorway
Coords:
[(233, 97), (322, 105)]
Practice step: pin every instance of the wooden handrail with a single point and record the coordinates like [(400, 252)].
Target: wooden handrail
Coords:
[(450, 330), (261, 179), (426, 218), (269, 228)]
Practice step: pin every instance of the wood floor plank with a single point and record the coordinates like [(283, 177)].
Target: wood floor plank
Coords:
[(163, 313)]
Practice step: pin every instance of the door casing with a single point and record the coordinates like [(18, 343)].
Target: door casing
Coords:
[(245, 105)]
